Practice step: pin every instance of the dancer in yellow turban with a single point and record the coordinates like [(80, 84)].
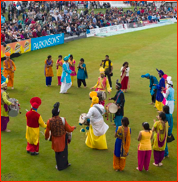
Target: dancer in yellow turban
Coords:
[(96, 137), (9, 69), (102, 84)]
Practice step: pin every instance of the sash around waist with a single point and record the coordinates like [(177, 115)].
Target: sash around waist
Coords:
[(99, 128)]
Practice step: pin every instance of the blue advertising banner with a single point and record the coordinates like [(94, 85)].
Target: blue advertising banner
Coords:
[(47, 41)]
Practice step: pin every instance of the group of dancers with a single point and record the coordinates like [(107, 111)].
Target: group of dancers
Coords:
[(59, 131)]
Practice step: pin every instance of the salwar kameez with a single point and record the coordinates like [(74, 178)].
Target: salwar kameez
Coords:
[(48, 72), (159, 141), (121, 149)]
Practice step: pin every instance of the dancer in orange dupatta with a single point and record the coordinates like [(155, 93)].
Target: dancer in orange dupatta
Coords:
[(122, 145)]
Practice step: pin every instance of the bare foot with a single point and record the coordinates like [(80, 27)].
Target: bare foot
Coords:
[(12, 88), (7, 130), (116, 170), (155, 164), (151, 103), (160, 164), (137, 168), (114, 124), (85, 87)]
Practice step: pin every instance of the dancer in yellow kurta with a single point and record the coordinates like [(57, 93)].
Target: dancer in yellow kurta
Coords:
[(4, 108), (9, 69), (96, 137), (72, 67), (102, 84), (48, 70)]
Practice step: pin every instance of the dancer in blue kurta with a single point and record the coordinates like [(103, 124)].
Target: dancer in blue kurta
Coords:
[(160, 88), (153, 88), (65, 78), (3, 78), (169, 118), (119, 100)]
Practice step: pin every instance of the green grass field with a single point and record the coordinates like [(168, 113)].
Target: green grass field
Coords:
[(145, 51)]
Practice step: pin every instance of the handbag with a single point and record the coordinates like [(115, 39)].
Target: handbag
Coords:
[(170, 138)]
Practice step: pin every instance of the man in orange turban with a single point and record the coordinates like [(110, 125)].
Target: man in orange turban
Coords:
[(9, 69)]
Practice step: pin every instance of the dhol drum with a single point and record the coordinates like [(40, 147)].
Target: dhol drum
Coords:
[(111, 108), (101, 95), (81, 120), (14, 110)]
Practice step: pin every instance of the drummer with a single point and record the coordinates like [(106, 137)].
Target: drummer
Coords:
[(96, 137), (4, 108), (102, 84), (119, 100)]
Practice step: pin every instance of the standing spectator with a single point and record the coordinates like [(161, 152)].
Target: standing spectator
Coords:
[(3, 6), (144, 147), (24, 16), (82, 73), (10, 17)]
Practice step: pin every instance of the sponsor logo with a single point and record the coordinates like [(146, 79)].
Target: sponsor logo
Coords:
[(8, 49), (48, 42), (103, 30), (26, 46), (17, 48)]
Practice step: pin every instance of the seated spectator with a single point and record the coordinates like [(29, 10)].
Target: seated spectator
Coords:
[(34, 33), (44, 33), (2, 36)]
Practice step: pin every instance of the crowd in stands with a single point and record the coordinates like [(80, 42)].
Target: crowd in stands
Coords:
[(42, 18)]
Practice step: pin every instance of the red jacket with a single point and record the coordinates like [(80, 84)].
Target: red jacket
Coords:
[(34, 34), (3, 37)]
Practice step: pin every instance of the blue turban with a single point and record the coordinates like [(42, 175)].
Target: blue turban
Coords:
[(67, 58), (146, 75), (160, 72)]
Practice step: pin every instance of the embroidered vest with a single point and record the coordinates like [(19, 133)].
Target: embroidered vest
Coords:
[(56, 126)]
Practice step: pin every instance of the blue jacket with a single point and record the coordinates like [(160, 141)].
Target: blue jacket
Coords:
[(153, 80), (66, 73), (159, 96)]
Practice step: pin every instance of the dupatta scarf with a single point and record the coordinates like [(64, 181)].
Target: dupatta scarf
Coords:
[(123, 133), (48, 63)]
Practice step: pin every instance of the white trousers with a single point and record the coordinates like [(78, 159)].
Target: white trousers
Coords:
[(171, 106), (65, 86)]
